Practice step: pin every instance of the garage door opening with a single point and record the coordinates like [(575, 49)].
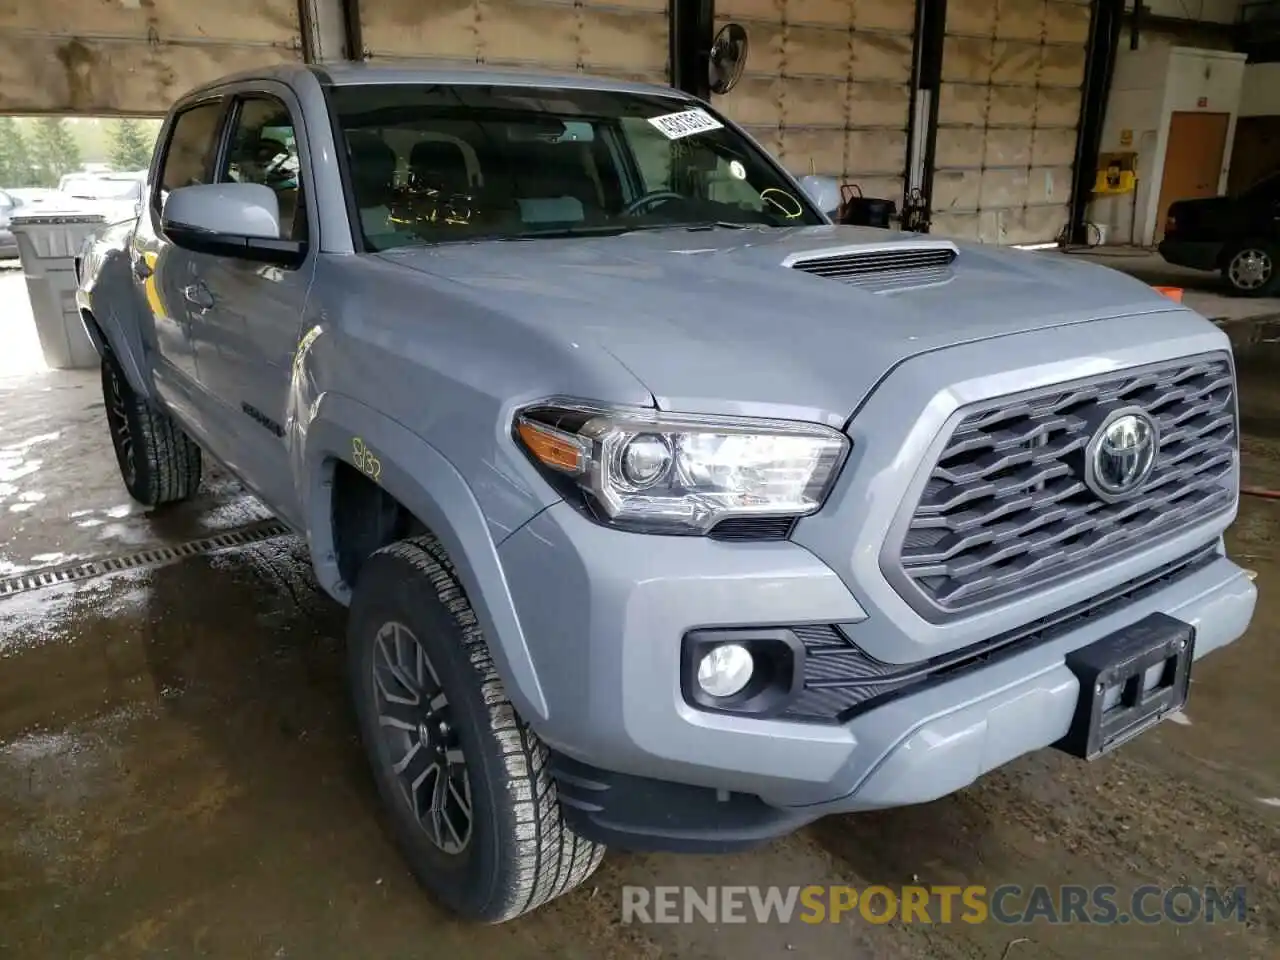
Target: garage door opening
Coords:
[(1008, 111), (70, 154), (72, 168)]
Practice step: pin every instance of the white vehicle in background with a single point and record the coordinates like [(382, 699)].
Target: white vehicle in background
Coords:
[(86, 170), (30, 196), (116, 196)]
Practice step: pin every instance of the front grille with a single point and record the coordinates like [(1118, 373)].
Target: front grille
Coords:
[(1006, 508)]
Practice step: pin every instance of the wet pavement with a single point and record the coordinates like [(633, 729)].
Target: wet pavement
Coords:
[(179, 773)]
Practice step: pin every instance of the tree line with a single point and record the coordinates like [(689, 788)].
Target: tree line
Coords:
[(47, 151)]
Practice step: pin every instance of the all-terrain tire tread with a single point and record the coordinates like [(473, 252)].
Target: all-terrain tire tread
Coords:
[(169, 462), (173, 458), (551, 858)]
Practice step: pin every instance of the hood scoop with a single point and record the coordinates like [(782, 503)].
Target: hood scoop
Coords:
[(894, 265)]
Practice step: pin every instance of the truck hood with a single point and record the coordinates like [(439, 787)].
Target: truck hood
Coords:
[(713, 321)]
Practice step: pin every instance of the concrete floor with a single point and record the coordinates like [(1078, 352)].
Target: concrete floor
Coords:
[(179, 774), (1206, 293)]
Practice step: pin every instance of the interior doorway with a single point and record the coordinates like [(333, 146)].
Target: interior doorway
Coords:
[(1192, 159)]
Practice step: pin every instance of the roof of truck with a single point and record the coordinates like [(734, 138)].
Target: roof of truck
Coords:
[(341, 74)]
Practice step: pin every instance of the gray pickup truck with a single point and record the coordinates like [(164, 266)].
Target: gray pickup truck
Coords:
[(670, 515)]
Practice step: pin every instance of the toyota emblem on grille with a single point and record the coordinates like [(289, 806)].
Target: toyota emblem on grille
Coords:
[(1121, 454)]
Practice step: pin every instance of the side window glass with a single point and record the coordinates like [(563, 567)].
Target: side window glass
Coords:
[(264, 149), (192, 144)]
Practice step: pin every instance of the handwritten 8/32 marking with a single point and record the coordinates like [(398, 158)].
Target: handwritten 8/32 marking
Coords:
[(364, 460)]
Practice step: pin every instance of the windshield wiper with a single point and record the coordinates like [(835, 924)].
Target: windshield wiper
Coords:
[(595, 230), (724, 224)]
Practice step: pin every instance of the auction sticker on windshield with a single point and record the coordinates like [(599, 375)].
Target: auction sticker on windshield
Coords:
[(686, 123)]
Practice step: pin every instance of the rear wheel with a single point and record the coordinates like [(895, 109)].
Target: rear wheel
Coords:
[(158, 462), (1250, 269), (465, 782)]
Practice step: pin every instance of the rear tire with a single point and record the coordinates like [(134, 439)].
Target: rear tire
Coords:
[(1252, 269), (465, 782), (158, 462)]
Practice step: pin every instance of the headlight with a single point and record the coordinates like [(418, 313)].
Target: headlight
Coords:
[(668, 473)]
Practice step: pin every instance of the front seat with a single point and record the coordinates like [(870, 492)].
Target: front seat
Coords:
[(373, 176), (440, 165)]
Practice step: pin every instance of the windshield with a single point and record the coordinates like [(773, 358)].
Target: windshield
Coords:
[(95, 188), (438, 163)]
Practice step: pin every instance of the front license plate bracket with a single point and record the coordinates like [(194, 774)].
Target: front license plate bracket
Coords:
[(1122, 660)]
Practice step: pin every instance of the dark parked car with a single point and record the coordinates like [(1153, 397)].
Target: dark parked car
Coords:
[(1239, 236)]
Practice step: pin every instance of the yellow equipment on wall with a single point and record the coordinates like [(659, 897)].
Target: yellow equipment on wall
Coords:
[(1117, 173)]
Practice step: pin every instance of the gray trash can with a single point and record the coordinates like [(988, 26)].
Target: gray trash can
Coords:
[(48, 243)]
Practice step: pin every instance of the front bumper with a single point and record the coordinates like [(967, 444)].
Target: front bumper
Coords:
[(608, 610)]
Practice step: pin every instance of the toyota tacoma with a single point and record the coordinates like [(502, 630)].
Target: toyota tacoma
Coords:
[(670, 515)]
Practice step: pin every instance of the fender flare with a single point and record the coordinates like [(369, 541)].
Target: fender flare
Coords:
[(430, 488), (100, 311)]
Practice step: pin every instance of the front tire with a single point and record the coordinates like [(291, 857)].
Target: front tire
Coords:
[(158, 462), (465, 782), (1251, 269)]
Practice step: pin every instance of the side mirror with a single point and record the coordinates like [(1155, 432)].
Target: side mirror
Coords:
[(230, 220), (823, 191)]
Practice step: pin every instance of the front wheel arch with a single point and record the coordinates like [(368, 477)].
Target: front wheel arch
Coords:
[(110, 338), (432, 491)]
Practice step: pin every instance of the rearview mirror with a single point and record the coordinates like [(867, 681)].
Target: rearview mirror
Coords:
[(230, 220)]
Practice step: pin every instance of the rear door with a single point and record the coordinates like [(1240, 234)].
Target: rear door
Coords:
[(163, 273)]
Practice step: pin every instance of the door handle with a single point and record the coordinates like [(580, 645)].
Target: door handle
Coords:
[(140, 268), (198, 295)]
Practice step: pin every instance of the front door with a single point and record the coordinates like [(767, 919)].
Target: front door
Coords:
[(251, 313), (162, 272), (1192, 159)]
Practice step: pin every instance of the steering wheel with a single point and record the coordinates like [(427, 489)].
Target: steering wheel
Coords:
[(651, 199)]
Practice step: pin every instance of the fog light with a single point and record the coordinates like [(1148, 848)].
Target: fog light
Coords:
[(726, 670)]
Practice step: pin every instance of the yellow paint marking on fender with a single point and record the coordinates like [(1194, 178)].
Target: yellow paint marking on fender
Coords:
[(364, 459)]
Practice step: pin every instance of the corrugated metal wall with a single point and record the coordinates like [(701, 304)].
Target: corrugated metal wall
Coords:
[(624, 38), (1007, 114), (132, 57), (826, 85)]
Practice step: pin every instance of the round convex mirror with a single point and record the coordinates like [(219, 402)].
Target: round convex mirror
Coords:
[(728, 58)]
